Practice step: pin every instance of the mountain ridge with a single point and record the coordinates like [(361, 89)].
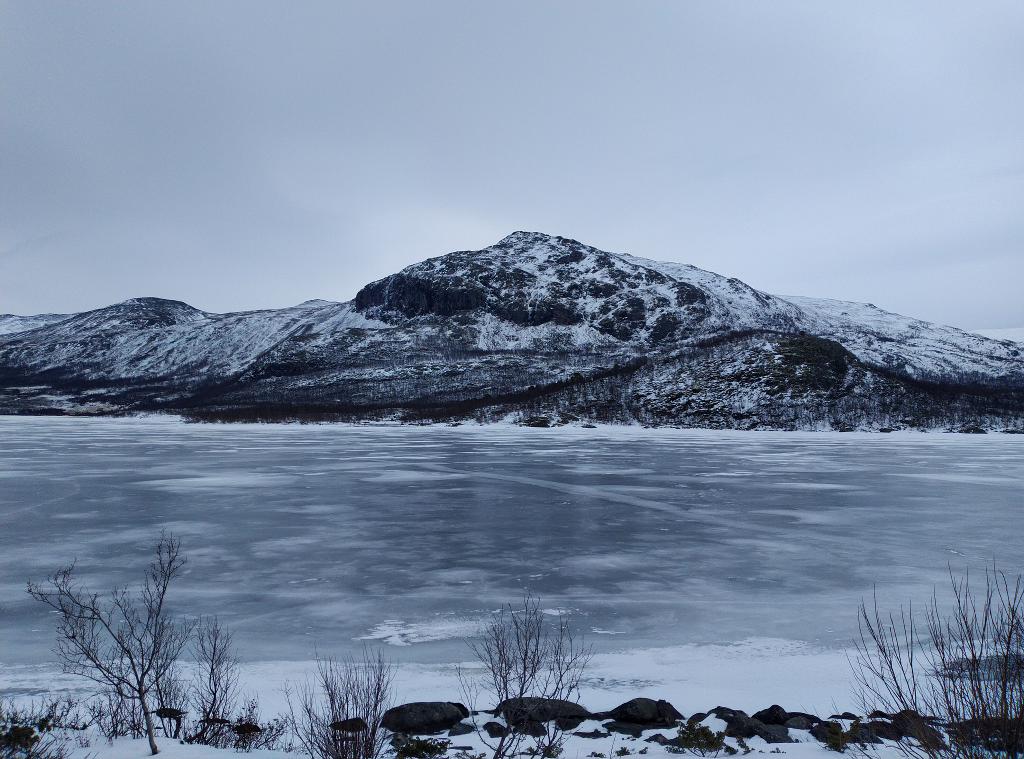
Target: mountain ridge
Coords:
[(533, 326)]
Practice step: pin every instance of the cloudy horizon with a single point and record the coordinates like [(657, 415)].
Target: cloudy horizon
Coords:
[(245, 156)]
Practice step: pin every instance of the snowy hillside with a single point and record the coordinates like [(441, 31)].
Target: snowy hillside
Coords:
[(11, 323), (533, 325)]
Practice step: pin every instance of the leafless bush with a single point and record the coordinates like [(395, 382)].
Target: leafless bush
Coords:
[(966, 672), (344, 691), (250, 733), (214, 691), (115, 716), (128, 643), (526, 659), (38, 731)]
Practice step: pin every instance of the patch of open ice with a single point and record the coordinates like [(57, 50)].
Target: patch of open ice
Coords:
[(397, 633)]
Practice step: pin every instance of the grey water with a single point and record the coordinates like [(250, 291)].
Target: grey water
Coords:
[(325, 538)]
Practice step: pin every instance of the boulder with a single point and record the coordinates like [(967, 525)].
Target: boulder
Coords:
[(646, 711), (625, 728), (885, 730), (727, 715), (593, 734), (861, 734), (516, 710), (423, 717), (812, 718), (773, 715), (798, 722), (822, 731), (530, 727), (568, 723), (741, 726), (913, 725), (774, 734), (495, 730), (460, 728)]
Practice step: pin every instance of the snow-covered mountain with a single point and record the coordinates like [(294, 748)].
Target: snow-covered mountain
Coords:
[(533, 326)]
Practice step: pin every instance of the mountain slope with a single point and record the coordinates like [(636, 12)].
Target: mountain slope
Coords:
[(533, 325)]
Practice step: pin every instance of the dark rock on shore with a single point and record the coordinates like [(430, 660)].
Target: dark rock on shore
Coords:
[(773, 715), (798, 722), (739, 725), (863, 734), (568, 723), (530, 727), (821, 731), (593, 734), (495, 730), (916, 726), (539, 710), (423, 717), (884, 730), (460, 728), (646, 711), (625, 728)]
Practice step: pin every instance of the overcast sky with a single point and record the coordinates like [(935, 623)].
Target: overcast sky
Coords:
[(255, 155)]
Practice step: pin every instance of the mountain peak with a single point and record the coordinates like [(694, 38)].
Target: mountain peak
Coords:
[(533, 319)]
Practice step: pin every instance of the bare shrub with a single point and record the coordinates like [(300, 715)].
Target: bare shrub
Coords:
[(250, 733), (214, 691), (38, 731), (526, 659), (128, 643), (963, 674), (343, 692), (115, 716)]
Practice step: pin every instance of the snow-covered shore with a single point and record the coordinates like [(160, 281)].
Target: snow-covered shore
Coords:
[(750, 675)]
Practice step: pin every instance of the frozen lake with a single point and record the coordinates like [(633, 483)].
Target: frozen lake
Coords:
[(323, 538)]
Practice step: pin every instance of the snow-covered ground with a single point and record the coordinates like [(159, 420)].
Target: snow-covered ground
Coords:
[(749, 675)]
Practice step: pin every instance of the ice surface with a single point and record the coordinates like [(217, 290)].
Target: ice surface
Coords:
[(689, 545)]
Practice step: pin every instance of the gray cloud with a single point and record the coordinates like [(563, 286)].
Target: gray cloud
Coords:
[(253, 155)]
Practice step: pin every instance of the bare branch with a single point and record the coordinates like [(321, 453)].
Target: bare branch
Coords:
[(127, 644)]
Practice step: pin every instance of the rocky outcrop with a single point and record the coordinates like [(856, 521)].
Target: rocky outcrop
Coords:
[(740, 725), (516, 710), (423, 717), (646, 712)]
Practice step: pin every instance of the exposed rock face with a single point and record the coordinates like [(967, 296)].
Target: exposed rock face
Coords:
[(423, 717), (773, 715), (625, 728), (535, 327), (516, 710), (495, 729), (798, 723), (740, 725), (646, 711)]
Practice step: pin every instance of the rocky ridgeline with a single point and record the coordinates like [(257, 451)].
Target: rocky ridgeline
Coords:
[(532, 327), (641, 716)]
